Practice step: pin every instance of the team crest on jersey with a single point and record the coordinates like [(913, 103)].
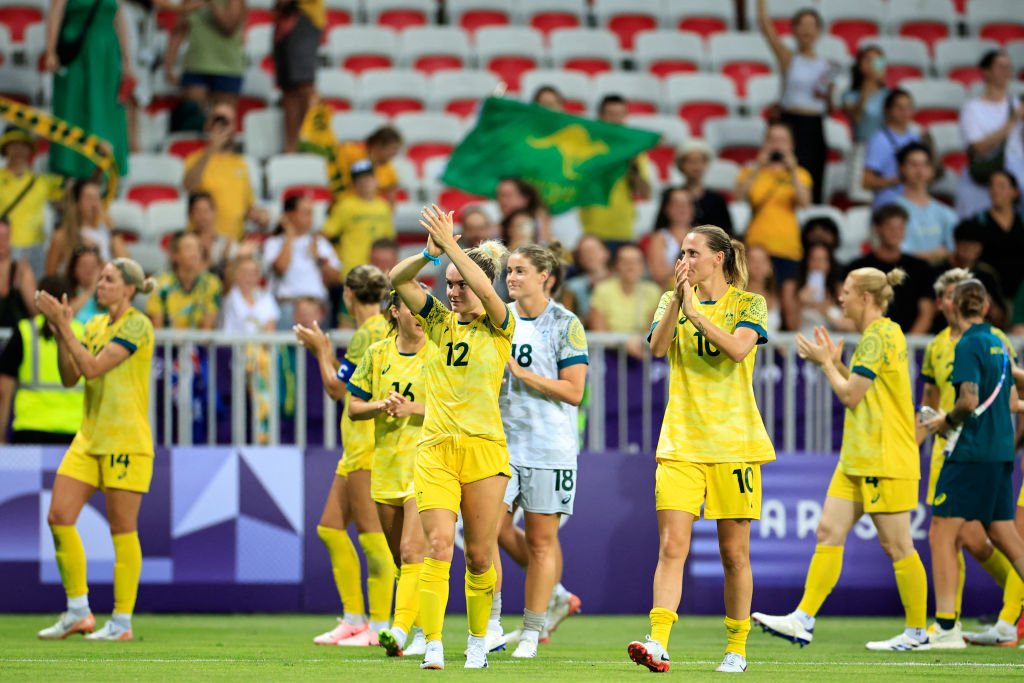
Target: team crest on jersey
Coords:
[(729, 319), (577, 337)]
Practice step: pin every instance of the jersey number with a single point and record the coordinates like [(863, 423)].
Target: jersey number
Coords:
[(704, 346), (407, 392), (525, 355), (462, 349), (745, 479), (563, 480), (122, 460)]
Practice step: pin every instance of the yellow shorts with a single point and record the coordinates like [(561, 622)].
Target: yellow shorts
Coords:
[(354, 460), (125, 471), (396, 502), (876, 494), (730, 490), (444, 468), (934, 468)]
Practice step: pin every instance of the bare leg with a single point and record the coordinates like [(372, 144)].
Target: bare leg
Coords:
[(674, 530), (364, 510), (542, 570), (734, 547)]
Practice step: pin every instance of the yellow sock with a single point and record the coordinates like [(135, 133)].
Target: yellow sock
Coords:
[(70, 560), (345, 567), (380, 571), (1013, 598), (912, 582), (479, 595), (737, 630), (127, 568), (434, 578), (407, 596), (661, 624), (998, 567), (822, 576), (961, 580)]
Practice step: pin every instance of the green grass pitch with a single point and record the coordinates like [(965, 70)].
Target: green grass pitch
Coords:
[(586, 648)]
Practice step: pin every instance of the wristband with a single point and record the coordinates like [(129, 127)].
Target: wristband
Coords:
[(436, 260), (949, 422)]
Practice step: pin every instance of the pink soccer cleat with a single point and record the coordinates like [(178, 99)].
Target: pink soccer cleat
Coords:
[(342, 631), (365, 638)]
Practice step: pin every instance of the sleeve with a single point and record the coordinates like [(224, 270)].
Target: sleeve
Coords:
[(354, 354), (572, 346), (754, 314), (869, 357), (508, 327), (966, 363), (432, 317), (659, 313), (271, 311), (271, 250), (949, 221), (11, 357), (928, 364), (972, 126), (877, 153), (213, 295), (248, 194), (324, 250), (388, 176), (361, 382), (335, 219), (1007, 344), (805, 177), (135, 333)]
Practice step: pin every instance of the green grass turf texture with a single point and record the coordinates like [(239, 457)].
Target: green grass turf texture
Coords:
[(585, 648)]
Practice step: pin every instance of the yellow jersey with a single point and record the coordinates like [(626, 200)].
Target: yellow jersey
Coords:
[(226, 177), (712, 416), (26, 218), (348, 153), (357, 437), (382, 370), (184, 309), (772, 198), (878, 434), (465, 374), (353, 225), (116, 414)]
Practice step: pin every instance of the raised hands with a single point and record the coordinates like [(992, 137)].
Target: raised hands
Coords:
[(440, 229), (683, 289), (821, 350), (313, 338)]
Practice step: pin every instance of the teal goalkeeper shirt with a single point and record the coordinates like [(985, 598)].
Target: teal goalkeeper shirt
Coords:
[(980, 358)]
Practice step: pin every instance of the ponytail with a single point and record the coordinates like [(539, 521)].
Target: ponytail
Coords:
[(878, 284), (488, 255), (971, 298), (133, 274), (734, 265)]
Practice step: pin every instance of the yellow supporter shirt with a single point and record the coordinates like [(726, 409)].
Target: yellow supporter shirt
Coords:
[(616, 220), (712, 416), (315, 10), (382, 370), (184, 309), (878, 434), (26, 218), (116, 415), (226, 177), (772, 198), (357, 437), (465, 374), (354, 225), (348, 153), (627, 313)]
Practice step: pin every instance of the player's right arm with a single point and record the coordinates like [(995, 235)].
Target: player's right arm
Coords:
[(403, 277), (663, 331)]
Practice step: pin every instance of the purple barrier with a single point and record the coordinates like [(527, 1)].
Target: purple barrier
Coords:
[(233, 530)]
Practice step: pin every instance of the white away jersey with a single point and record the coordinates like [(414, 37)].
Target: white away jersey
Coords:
[(542, 432)]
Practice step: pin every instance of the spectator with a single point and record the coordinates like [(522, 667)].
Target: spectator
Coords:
[(863, 103), (302, 263), (518, 228), (214, 59), (991, 127), (359, 219), (380, 149), (17, 283), (187, 297), (967, 251), (45, 412), (217, 249), (384, 254), (223, 173), (761, 280), (913, 308), (709, 207), (83, 275), (931, 223), (591, 259), (248, 308), (615, 222), (1002, 231), (23, 196), (476, 227), (881, 170), (776, 186), (298, 25), (548, 97), (806, 90), (88, 82), (85, 222), (820, 230), (673, 222), (811, 299), (625, 302), (513, 194)]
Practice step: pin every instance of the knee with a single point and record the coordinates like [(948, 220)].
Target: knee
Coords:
[(673, 550), (410, 552), (897, 548), (478, 559), (829, 534), (440, 544), (541, 546), (56, 517), (735, 560)]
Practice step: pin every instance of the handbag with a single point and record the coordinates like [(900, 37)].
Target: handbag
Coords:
[(68, 50), (981, 167)]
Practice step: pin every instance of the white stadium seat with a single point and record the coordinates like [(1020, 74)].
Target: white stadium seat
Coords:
[(346, 45), (584, 49), (261, 133), (163, 218), (285, 170), (433, 48), (577, 88), (356, 125), (906, 57), (392, 91), (642, 91), (337, 87), (458, 92), (664, 52), (698, 97), (701, 16)]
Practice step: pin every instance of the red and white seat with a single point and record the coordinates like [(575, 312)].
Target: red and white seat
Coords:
[(762, 93), (294, 170), (429, 136), (927, 20), (574, 86), (153, 177), (128, 216), (509, 51), (20, 83), (948, 145), (957, 58), (591, 51), (935, 100), (460, 92), (17, 15), (360, 48), (472, 15), (739, 56), (673, 133), (392, 91), (401, 14), (261, 133), (641, 91), (695, 98), (430, 49), (853, 21), (337, 88), (546, 16), (356, 125), (666, 52), (905, 57), (339, 13), (259, 91), (998, 20), (258, 45), (704, 17), (779, 11), (737, 139), (163, 219), (626, 18), (1016, 51)]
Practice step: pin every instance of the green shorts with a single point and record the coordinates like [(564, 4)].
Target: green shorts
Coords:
[(981, 491)]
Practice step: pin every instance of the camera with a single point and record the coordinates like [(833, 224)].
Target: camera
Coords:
[(221, 120), (775, 157)]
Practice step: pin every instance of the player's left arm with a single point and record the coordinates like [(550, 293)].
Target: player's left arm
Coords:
[(849, 389), (567, 387), (966, 402)]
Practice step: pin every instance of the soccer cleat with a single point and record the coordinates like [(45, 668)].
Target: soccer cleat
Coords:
[(433, 656), (788, 627), (67, 626), (558, 610), (732, 663), (341, 632), (999, 634), (365, 638), (392, 642), (527, 649), (495, 641), (512, 638), (418, 646), (903, 643), (111, 631), (953, 639), (650, 654), (476, 653)]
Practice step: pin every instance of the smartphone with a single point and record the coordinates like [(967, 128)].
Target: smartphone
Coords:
[(926, 413)]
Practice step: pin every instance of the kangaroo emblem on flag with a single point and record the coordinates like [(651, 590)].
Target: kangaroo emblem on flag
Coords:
[(574, 144)]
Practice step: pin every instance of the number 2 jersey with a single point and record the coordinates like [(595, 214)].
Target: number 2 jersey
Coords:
[(543, 432), (465, 374), (712, 416)]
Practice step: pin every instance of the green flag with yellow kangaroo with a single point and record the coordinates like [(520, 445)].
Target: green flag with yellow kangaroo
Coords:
[(571, 161)]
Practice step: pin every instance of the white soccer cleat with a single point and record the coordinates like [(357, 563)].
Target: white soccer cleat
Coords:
[(418, 645), (650, 654), (559, 608), (512, 638), (732, 663), (999, 634), (433, 656), (905, 643), (476, 653), (67, 625), (393, 642), (953, 639), (342, 631), (788, 627), (527, 649), (110, 631), (495, 641)]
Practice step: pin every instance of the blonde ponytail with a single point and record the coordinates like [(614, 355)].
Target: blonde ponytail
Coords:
[(133, 274), (489, 255), (878, 284)]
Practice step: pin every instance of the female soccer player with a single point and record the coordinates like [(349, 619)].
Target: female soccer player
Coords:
[(712, 441), (548, 371), (113, 450), (349, 499), (462, 459), (879, 467), (389, 388)]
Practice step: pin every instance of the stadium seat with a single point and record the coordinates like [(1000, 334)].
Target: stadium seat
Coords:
[(576, 87), (33, 46), (548, 15), (433, 48), (258, 92), (673, 132), (164, 218), (408, 180), (153, 177), (740, 213), (20, 83), (642, 91), (998, 20), (336, 87), (472, 15), (356, 125), (152, 130), (183, 144), (428, 135), (739, 56), (452, 199), (258, 45), (20, 14), (698, 97), (837, 183), (258, 13), (737, 139), (625, 18), (392, 91), (948, 145), (360, 48), (460, 92), (927, 20), (762, 94), (957, 58), (857, 231), (401, 14), (431, 184), (509, 52), (905, 57), (339, 13), (853, 21), (255, 175), (1015, 49), (839, 140), (261, 133), (935, 100), (288, 170), (127, 215), (721, 176), (823, 211), (704, 17), (591, 51), (164, 95), (668, 52)]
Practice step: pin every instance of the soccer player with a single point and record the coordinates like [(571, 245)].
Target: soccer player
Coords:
[(879, 466), (713, 440), (388, 388), (548, 371), (113, 449), (976, 482), (462, 459), (349, 498)]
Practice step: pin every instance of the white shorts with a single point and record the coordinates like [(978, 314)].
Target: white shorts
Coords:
[(543, 491)]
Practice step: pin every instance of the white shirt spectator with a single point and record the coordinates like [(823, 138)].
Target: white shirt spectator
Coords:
[(978, 118), (243, 317), (302, 278)]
